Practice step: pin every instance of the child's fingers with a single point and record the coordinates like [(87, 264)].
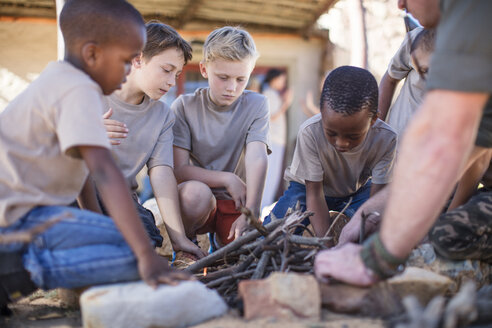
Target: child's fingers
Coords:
[(232, 231), (114, 142), (108, 113), (116, 135), (115, 125)]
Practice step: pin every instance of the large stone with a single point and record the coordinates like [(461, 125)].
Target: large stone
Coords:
[(282, 296), (138, 305), (460, 271), (380, 300), (423, 284)]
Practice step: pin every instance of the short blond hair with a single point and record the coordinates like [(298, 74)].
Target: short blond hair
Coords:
[(229, 43)]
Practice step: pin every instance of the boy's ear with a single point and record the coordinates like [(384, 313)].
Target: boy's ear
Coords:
[(137, 61), (374, 118), (90, 53), (203, 70)]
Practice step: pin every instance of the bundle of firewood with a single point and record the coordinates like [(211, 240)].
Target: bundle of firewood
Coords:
[(256, 254)]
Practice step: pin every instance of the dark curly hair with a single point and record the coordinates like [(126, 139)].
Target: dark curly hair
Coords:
[(349, 90)]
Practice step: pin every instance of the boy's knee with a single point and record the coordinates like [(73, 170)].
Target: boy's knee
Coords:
[(197, 200)]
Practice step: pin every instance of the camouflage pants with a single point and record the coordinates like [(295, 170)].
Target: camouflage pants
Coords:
[(466, 232)]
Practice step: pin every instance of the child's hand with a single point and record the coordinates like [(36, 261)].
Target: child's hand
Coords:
[(114, 129), (237, 188), (155, 270), (188, 246), (238, 227)]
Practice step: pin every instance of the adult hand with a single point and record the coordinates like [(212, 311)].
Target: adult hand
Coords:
[(155, 270), (238, 227), (237, 189), (343, 264), (115, 129), (288, 96)]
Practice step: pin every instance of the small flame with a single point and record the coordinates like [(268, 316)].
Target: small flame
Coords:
[(204, 272)]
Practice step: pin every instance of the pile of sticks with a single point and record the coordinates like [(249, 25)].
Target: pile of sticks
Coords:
[(258, 253)]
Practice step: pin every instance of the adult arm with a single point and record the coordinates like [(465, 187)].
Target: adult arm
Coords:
[(166, 194), (315, 202), (116, 196), (387, 88), (214, 179), (256, 166), (287, 98)]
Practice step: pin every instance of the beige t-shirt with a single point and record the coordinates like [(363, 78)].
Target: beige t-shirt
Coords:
[(412, 91), (150, 136), (39, 134), (216, 137), (315, 159)]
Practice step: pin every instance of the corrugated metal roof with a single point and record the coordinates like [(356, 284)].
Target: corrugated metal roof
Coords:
[(277, 16)]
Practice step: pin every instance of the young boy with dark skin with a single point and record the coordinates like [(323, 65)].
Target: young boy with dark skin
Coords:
[(137, 113), (52, 137), (220, 140), (344, 152)]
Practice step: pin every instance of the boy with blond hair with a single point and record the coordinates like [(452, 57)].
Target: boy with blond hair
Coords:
[(221, 139), (51, 138)]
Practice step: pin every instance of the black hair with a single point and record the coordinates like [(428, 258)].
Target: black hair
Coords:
[(101, 21), (425, 40), (270, 75), (348, 90), (161, 37)]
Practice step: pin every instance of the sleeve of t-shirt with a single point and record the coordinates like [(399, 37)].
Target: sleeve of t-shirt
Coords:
[(259, 128), (305, 162), (162, 154), (181, 129), (462, 60), (79, 120), (400, 64), (383, 170)]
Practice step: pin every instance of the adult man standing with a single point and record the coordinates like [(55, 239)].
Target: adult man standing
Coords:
[(455, 115)]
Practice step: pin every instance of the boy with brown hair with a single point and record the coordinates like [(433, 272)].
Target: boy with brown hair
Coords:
[(343, 155), (220, 139), (51, 138), (141, 129)]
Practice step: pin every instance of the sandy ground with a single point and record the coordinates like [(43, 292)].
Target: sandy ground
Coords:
[(46, 309)]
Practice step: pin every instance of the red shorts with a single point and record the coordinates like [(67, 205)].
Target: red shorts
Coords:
[(221, 220)]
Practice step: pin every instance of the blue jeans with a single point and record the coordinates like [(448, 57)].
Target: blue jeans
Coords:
[(297, 192), (84, 250)]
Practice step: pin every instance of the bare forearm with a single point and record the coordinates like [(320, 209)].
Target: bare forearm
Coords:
[(213, 179), (386, 91), (434, 151), (166, 195), (315, 202), (256, 167)]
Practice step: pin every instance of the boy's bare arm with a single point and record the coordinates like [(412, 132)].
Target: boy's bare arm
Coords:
[(214, 179), (116, 196), (256, 164), (376, 188), (87, 199), (166, 194), (315, 202), (387, 88), (478, 164)]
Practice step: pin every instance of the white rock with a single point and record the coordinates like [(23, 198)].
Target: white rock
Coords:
[(138, 305)]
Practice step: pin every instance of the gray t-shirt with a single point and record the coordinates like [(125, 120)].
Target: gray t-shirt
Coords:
[(315, 159), (412, 91), (216, 137), (462, 60), (150, 136)]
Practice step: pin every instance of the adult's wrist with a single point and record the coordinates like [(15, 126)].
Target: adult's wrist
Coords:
[(379, 260)]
